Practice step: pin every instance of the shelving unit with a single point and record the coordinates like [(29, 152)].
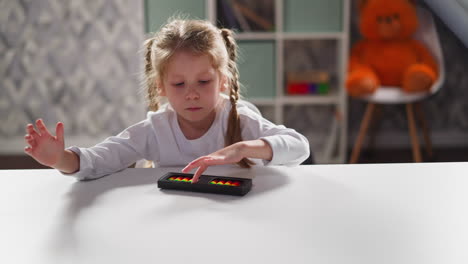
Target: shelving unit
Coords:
[(262, 60)]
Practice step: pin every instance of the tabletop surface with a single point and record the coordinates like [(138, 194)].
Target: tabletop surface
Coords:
[(368, 213)]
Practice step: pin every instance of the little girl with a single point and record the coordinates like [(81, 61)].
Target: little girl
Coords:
[(192, 64)]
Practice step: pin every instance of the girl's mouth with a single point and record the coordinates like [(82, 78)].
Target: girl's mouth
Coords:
[(193, 108)]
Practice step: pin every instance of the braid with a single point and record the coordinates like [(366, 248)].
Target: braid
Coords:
[(233, 134), (152, 94)]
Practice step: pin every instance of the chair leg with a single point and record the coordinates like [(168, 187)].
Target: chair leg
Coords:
[(426, 134), (362, 132), (413, 133), (374, 126)]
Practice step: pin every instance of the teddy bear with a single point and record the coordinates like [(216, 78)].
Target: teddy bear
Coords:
[(388, 55)]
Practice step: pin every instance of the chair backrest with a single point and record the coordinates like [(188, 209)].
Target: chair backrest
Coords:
[(454, 13), (427, 33)]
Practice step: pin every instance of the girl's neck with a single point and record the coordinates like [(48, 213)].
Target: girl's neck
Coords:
[(193, 130)]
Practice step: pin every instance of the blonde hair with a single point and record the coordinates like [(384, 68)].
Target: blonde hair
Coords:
[(200, 37)]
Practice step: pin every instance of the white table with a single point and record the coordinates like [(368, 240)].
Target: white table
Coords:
[(394, 213)]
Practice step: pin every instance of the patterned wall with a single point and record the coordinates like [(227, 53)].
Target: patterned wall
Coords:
[(71, 61)]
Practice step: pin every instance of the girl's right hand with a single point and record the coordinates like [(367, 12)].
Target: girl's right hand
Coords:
[(43, 147)]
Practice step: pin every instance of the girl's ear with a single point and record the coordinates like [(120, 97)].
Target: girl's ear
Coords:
[(161, 88), (224, 84)]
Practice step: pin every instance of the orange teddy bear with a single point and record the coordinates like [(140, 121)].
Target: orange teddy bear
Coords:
[(388, 55)]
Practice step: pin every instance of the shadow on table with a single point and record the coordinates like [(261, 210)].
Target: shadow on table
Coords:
[(83, 194)]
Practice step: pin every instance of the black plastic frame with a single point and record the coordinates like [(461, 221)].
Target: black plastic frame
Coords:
[(203, 184)]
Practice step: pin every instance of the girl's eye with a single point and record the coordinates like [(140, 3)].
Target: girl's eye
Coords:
[(204, 81), (179, 84)]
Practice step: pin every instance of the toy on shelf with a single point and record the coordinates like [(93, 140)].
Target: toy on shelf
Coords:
[(308, 82), (389, 55)]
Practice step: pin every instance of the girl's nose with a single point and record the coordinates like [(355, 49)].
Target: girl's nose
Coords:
[(192, 94)]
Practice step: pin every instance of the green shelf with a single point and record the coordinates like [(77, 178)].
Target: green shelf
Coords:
[(158, 11), (257, 68), (313, 16)]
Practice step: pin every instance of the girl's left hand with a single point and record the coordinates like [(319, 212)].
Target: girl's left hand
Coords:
[(228, 155)]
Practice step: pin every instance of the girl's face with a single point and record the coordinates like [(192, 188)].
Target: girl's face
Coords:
[(192, 86)]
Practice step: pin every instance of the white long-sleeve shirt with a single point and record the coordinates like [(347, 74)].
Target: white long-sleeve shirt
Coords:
[(159, 138)]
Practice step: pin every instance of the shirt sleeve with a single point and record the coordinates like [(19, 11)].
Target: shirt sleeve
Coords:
[(290, 148), (116, 153)]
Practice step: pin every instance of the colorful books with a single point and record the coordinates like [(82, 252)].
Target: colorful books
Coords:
[(308, 82), (239, 15), (228, 18), (252, 16)]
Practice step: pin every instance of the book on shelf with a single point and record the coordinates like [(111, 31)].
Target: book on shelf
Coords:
[(244, 24), (308, 88), (263, 23), (308, 76), (227, 18), (308, 82), (237, 15)]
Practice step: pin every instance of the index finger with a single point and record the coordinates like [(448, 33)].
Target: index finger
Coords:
[(192, 164), (206, 160), (198, 173)]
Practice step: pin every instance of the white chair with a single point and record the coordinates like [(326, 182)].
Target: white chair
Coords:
[(427, 34)]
